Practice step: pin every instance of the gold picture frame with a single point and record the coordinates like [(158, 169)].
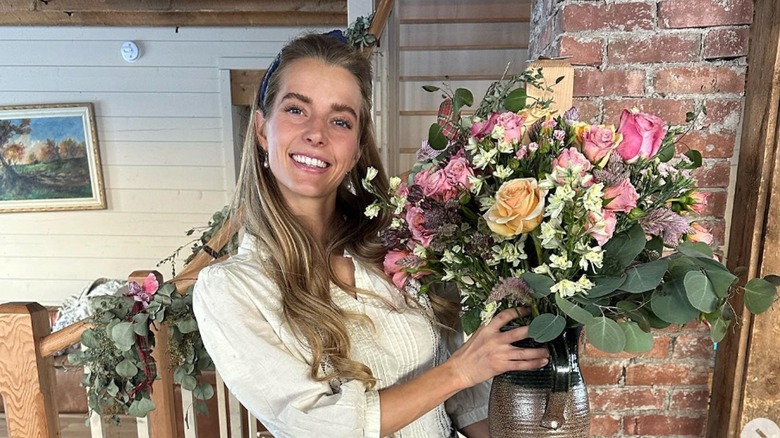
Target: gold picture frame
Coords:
[(49, 158)]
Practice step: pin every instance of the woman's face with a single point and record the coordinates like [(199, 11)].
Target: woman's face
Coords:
[(312, 133)]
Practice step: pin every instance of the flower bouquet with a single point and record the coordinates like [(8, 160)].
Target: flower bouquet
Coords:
[(587, 225)]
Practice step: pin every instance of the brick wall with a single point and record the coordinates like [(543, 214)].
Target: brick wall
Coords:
[(665, 57)]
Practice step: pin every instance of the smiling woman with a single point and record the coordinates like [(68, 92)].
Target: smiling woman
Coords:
[(302, 324)]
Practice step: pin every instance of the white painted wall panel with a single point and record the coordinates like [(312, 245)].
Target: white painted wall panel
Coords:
[(162, 141)]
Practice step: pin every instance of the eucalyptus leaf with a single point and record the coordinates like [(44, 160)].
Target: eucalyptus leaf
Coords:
[(774, 279), (204, 391), (605, 334), (670, 303), (698, 288), (516, 100), (430, 88), (179, 374), (718, 326), (189, 383), (187, 325), (436, 138), (126, 369), (464, 96), (644, 277), (695, 157), (141, 328), (605, 286), (89, 339), (666, 152), (695, 249), (626, 246), (112, 389), (123, 335), (471, 320), (574, 311), (166, 289), (141, 407), (546, 327), (540, 284), (637, 340), (635, 312), (721, 280), (759, 295)]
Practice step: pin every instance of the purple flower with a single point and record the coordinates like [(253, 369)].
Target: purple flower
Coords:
[(666, 224), (516, 290), (571, 116)]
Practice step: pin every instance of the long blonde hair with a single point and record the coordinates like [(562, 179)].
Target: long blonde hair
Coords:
[(298, 265)]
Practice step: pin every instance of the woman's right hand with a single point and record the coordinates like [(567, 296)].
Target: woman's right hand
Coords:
[(489, 351)]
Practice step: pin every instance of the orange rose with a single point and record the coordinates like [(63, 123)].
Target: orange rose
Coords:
[(518, 209)]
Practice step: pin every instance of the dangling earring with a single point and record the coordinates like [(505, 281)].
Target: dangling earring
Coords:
[(348, 179), (265, 162)]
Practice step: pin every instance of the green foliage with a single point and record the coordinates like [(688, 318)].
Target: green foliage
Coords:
[(119, 368)]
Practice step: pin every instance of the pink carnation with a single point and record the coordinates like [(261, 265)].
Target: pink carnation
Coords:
[(622, 197)]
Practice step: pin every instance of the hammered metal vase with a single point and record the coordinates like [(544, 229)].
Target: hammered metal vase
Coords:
[(549, 402)]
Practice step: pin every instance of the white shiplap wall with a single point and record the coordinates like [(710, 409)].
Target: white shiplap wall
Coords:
[(164, 131)]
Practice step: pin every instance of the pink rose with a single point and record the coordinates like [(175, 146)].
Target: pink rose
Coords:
[(483, 128), (513, 126), (435, 185), (642, 135), (699, 202), (415, 218), (700, 234), (598, 142), (622, 197), (458, 172), (601, 226)]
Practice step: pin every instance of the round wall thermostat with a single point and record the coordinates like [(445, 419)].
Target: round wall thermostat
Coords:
[(130, 52)]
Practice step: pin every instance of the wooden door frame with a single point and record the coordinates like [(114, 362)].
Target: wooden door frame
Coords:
[(747, 362)]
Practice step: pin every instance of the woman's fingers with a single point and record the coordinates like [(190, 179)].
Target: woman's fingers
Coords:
[(503, 318)]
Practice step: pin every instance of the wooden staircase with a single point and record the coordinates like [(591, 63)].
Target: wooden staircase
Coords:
[(462, 43)]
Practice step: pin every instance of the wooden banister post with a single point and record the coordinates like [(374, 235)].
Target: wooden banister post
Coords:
[(162, 420), (27, 381)]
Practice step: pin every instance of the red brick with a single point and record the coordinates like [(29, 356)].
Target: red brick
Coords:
[(654, 48), (726, 113), (583, 51), (710, 144), (601, 374), (667, 374), (590, 82), (726, 43), (542, 44), (626, 399), (619, 16), (661, 347), (662, 425), (693, 346), (713, 173), (672, 111), (604, 425), (690, 400), (589, 109), (699, 80), (704, 13)]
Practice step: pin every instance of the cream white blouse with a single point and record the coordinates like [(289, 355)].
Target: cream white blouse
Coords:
[(239, 314)]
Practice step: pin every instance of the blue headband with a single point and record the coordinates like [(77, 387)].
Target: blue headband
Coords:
[(337, 34)]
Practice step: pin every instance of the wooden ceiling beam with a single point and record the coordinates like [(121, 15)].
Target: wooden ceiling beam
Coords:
[(173, 13)]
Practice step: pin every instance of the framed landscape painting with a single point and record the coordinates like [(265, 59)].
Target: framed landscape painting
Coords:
[(49, 158)]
